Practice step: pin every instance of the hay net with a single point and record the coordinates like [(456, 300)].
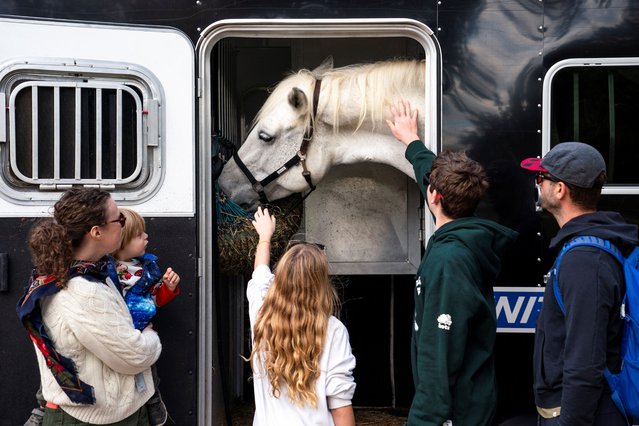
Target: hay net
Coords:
[(237, 239)]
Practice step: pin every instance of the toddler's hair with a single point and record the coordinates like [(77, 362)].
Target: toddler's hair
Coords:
[(133, 227)]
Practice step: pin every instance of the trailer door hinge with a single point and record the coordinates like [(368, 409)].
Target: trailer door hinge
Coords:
[(54, 187), (422, 223)]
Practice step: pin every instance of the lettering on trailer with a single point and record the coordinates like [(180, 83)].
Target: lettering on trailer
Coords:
[(517, 308)]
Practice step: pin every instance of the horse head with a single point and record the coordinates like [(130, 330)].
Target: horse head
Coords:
[(275, 139), (347, 127)]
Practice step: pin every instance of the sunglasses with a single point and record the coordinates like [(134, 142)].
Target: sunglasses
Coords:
[(121, 220), (539, 178), (293, 243)]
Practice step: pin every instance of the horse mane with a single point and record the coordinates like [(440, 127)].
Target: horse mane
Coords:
[(373, 85)]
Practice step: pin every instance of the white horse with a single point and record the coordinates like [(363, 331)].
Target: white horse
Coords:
[(348, 126)]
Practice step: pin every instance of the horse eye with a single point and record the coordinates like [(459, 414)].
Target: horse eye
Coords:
[(265, 137)]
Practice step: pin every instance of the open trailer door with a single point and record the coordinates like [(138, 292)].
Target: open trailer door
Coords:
[(238, 61)]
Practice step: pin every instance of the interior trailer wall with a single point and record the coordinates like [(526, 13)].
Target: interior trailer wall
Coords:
[(375, 306)]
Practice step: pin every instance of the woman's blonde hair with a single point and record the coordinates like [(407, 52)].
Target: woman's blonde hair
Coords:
[(291, 324), (133, 227)]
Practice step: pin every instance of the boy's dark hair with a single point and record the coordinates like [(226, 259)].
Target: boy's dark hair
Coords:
[(460, 181), (588, 198)]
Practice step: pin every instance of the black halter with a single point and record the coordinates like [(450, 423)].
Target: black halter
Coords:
[(299, 157)]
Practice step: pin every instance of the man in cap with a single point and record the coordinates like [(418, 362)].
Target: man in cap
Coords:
[(573, 349)]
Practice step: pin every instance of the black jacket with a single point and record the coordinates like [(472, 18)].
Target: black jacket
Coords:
[(572, 351)]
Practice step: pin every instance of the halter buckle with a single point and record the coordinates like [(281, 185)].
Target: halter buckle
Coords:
[(257, 187)]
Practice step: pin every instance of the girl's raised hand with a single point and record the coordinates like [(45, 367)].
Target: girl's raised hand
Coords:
[(264, 224)]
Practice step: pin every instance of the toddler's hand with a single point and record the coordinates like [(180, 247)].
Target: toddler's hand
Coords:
[(171, 279)]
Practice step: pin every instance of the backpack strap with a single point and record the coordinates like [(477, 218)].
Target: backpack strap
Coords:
[(582, 240)]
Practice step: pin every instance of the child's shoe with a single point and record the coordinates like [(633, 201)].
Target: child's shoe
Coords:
[(157, 410)]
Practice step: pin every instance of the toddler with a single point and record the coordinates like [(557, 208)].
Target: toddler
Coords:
[(144, 288)]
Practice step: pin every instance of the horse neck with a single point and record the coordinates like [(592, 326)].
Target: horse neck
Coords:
[(363, 146)]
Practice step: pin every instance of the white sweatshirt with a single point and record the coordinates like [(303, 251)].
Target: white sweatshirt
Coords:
[(335, 386), (89, 323)]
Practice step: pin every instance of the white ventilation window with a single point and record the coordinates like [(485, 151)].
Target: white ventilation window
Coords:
[(70, 124)]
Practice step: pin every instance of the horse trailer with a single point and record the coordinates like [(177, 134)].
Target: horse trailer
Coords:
[(136, 97)]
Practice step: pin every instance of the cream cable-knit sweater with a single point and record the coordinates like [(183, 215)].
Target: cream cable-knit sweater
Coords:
[(90, 323)]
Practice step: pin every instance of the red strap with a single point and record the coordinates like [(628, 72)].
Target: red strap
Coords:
[(52, 405)]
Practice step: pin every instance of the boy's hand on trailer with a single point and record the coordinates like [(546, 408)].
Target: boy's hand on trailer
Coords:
[(171, 279), (404, 122)]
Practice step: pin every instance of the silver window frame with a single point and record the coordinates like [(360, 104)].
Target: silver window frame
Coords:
[(94, 74), (610, 189)]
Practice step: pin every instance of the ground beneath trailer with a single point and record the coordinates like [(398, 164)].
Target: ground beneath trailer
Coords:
[(243, 416)]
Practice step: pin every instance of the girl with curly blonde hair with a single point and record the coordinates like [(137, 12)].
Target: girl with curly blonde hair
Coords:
[(301, 357)]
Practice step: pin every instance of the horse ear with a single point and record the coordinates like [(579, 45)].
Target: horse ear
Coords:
[(297, 99), (326, 65)]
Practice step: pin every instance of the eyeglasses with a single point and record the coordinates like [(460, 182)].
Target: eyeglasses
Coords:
[(121, 220), (539, 178), (293, 243)]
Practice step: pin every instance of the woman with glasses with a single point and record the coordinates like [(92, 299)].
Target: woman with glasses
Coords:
[(301, 357), (94, 364)]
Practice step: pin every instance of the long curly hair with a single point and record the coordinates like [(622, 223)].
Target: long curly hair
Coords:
[(53, 241), (291, 324)]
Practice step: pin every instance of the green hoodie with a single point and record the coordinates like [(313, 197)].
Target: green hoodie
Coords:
[(454, 326)]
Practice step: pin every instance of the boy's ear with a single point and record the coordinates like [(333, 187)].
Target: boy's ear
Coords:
[(434, 196)]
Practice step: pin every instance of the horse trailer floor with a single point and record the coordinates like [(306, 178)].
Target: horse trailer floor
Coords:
[(242, 415)]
